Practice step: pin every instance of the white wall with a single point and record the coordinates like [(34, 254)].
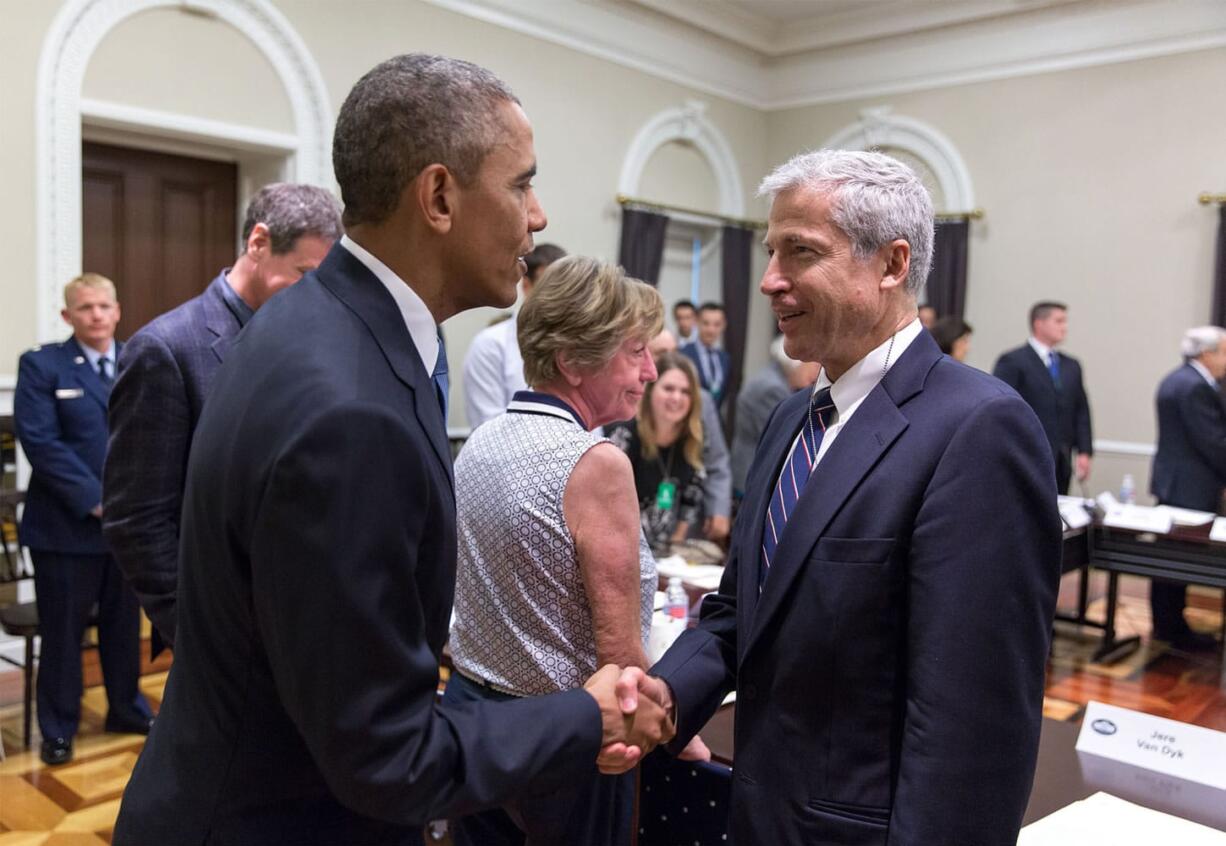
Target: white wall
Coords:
[(1089, 178), (585, 113)]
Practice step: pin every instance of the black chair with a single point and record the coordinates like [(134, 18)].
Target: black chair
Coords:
[(683, 802), (19, 619)]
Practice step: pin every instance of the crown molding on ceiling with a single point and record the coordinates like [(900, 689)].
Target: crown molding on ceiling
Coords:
[(1054, 39), (1046, 36), (632, 37), (863, 22)]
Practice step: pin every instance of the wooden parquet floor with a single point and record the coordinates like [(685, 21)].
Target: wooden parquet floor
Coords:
[(76, 804)]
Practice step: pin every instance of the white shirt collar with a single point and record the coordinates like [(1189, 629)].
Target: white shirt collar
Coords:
[(417, 318), (1041, 348), (92, 355), (850, 389), (1204, 371)]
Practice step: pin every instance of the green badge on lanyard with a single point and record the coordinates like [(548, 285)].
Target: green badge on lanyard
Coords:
[(666, 494)]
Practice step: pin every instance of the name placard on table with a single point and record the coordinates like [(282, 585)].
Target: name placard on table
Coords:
[(1192, 753)]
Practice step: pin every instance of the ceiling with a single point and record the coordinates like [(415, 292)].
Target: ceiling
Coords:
[(779, 54), (784, 27)]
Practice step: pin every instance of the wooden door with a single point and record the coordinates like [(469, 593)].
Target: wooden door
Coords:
[(161, 226)]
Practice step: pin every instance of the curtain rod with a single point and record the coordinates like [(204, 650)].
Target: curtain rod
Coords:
[(623, 200), (746, 222), (973, 214), (1205, 198)]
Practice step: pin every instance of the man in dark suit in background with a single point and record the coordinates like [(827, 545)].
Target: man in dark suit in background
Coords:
[(165, 373), (59, 411), (685, 318), (713, 363), (781, 377), (1190, 464), (887, 606), (318, 541), (1051, 383)]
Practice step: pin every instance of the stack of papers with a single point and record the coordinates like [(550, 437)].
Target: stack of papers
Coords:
[(1185, 516), (1139, 518), (1073, 511), (1102, 818)]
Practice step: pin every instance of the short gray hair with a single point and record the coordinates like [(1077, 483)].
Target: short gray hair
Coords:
[(1201, 340), (876, 199), (405, 114), (291, 211)]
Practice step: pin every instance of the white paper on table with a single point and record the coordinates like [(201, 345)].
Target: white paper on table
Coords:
[(664, 630), (1074, 514), (1081, 501), (1185, 516), (675, 565), (1218, 532), (1103, 818), (1139, 518)]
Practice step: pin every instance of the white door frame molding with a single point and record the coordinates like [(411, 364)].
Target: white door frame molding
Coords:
[(688, 123), (78, 29), (879, 127)]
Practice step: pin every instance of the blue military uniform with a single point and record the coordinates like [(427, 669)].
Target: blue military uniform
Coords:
[(59, 411)]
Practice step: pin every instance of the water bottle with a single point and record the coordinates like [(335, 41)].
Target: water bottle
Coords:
[(1128, 490), (676, 603)]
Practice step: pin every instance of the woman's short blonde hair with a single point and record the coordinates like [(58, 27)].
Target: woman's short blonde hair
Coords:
[(580, 311)]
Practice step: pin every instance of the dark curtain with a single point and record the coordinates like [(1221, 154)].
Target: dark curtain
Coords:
[(642, 246), (1219, 272), (947, 281), (1219, 279), (736, 249)]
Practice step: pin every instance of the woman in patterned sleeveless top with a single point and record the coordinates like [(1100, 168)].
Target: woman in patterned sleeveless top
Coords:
[(554, 577)]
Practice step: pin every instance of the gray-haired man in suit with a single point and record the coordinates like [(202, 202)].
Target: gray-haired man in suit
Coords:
[(165, 374)]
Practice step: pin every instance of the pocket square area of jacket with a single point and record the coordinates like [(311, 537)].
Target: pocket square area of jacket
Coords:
[(69, 393)]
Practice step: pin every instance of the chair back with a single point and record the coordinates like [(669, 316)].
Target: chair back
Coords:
[(13, 565), (683, 802)]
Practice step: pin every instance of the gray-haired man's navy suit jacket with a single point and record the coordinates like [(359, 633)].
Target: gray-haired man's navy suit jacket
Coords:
[(165, 373), (317, 575), (890, 674), (1190, 464)]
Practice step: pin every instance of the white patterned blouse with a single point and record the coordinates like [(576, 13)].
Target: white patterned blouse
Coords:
[(522, 621)]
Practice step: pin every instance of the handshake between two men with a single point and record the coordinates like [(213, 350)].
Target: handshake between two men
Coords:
[(636, 712)]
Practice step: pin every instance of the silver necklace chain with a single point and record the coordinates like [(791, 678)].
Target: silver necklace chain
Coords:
[(885, 368), (889, 350)]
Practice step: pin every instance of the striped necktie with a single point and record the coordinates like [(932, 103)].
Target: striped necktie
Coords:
[(442, 383), (795, 473)]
